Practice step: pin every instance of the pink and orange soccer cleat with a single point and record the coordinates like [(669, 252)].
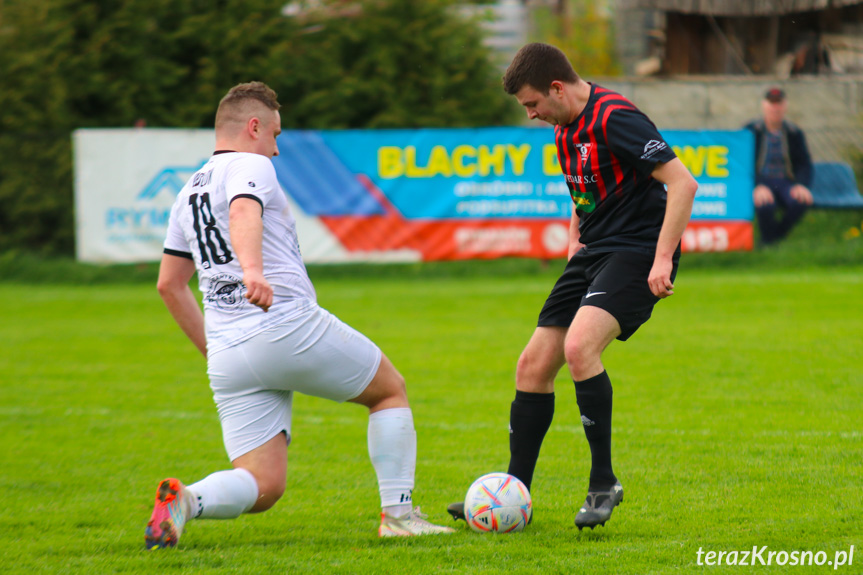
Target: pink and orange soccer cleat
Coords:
[(169, 515)]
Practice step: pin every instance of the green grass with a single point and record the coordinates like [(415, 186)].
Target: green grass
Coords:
[(737, 423), (823, 239)]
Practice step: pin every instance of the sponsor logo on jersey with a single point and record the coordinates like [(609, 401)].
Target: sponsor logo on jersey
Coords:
[(585, 179), (652, 147), (225, 291), (583, 200)]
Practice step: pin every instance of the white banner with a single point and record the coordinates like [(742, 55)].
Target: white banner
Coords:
[(126, 181)]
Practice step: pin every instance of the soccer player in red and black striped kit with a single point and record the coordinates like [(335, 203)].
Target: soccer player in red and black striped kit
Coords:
[(632, 198)]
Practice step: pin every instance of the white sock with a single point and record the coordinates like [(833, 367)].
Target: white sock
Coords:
[(393, 450), (224, 494)]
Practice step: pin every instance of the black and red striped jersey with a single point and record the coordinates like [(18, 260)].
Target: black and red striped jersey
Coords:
[(607, 155)]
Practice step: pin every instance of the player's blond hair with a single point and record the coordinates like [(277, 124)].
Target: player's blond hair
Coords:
[(243, 102)]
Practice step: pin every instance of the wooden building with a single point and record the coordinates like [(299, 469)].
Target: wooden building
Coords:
[(741, 37)]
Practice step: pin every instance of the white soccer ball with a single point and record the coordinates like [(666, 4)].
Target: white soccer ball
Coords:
[(497, 502)]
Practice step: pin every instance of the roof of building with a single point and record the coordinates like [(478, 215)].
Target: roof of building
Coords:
[(738, 7)]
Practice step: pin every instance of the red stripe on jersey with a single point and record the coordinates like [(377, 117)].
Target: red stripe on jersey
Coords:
[(582, 185), (615, 163), (558, 142), (594, 158), (614, 95), (566, 160), (562, 153), (615, 102)]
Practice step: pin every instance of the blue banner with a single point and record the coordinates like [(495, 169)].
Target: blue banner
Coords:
[(483, 172), (723, 163)]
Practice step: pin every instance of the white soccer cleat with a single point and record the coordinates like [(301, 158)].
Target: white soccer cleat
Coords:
[(410, 524)]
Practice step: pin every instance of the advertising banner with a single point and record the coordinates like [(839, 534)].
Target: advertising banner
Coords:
[(486, 192), (371, 195), (126, 181)]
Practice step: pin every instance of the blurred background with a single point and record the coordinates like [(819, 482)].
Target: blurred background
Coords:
[(689, 64)]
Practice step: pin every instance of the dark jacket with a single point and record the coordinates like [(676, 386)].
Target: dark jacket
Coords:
[(798, 163)]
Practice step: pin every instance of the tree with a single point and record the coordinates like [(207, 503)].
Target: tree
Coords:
[(584, 30), (67, 64), (398, 63)]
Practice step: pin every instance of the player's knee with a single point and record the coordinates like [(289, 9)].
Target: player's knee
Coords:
[(399, 384), (534, 373), (393, 386), (270, 490), (395, 381), (273, 493), (387, 389), (525, 368), (577, 354)]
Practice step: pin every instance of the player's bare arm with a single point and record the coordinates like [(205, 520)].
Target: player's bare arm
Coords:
[(681, 187), (574, 236), (173, 285), (247, 229)]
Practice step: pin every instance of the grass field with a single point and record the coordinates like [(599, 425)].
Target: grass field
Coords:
[(737, 424)]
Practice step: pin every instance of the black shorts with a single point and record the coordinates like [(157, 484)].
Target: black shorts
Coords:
[(613, 281)]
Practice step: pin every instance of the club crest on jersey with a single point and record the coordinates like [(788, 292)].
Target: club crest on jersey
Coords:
[(583, 152), (225, 291)]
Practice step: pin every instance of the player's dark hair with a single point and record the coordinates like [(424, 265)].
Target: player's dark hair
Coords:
[(538, 65), (240, 96)]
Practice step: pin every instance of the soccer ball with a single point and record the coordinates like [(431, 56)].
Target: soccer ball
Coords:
[(497, 502)]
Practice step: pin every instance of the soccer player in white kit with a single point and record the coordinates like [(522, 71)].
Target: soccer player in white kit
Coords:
[(265, 336)]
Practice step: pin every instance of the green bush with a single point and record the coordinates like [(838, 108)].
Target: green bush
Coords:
[(107, 63), (36, 193)]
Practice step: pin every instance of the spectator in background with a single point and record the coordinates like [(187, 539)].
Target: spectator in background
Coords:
[(783, 169)]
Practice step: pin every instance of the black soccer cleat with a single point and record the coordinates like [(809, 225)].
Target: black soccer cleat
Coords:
[(598, 506), (456, 510)]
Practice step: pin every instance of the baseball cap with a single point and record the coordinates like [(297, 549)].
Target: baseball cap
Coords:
[(774, 95)]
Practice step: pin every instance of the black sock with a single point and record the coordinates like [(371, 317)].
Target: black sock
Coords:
[(529, 420), (594, 401)]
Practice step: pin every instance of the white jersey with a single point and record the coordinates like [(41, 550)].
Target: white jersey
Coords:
[(198, 229)]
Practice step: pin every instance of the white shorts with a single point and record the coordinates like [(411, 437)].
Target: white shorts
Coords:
[(313, 353)]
